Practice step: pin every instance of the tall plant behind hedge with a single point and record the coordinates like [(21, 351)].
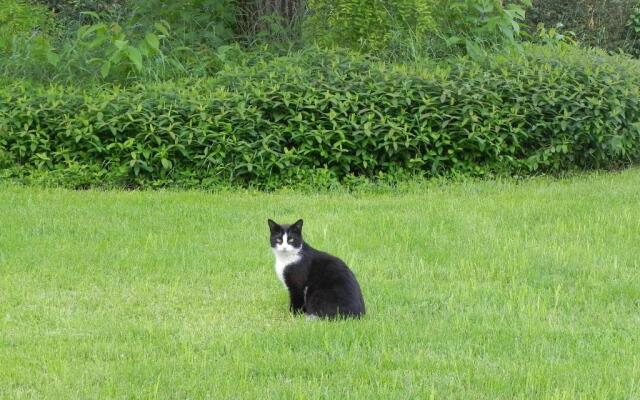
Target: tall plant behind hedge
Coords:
[(600, 23), (479, 25), (371, 25), (413, 28), (21, 18), (194, 23), (124, 42), (73, 8)]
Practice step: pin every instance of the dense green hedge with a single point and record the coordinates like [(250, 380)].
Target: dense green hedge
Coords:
[(326, 118)]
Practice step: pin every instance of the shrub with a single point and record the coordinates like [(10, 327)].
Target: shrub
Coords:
[(327, 118)]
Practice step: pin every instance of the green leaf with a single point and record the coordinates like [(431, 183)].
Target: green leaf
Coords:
[(87, 30), (121, 44), (105, 68), (135, 57), (152, 40), (473, 49), (53, 58), (91, 14), (162, 27)]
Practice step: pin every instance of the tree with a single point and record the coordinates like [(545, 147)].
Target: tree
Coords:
[(255, 16)]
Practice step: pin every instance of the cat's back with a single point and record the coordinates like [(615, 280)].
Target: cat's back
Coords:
[(332, 287), (329, 268)]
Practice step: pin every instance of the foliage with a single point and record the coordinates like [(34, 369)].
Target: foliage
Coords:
[(371, 25), (26, 28), (73, 9), (321, 116), (601, 23), (122, 42), (552, 36), (633, 45), (194, 22), (20, 18), (412, 28), (98, 51), (132, 41), (479, 25), (108, 48), (197, 24)]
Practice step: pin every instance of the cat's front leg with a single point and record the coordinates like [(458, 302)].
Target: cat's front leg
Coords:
[(297, 301)]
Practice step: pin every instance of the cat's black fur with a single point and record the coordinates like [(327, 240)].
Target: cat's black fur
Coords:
[(319, 284)]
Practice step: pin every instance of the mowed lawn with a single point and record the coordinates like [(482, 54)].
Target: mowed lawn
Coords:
[(478, 290)]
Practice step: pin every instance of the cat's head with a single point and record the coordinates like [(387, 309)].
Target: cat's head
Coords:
[(286, 238)]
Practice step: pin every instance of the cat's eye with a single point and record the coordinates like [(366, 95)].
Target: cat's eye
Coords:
[(290, 240), (278, 240)]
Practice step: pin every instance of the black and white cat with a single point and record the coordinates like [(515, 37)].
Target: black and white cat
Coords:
[(319, 284)]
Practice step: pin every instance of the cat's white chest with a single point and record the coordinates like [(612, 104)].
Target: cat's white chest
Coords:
[(284, 259)]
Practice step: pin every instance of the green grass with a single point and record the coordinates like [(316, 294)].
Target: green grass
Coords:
[(475, 290)]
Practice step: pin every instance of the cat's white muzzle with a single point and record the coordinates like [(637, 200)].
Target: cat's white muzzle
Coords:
[(286, 248)]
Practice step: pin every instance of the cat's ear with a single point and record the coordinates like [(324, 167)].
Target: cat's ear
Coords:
[(273, 226), (297, 226)]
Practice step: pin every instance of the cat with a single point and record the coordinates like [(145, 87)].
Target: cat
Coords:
[(320, 285)]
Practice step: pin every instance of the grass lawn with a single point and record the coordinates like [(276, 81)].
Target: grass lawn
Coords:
[(478, 290)]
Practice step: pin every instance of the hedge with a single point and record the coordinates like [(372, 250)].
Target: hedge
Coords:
[(329, 117)]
